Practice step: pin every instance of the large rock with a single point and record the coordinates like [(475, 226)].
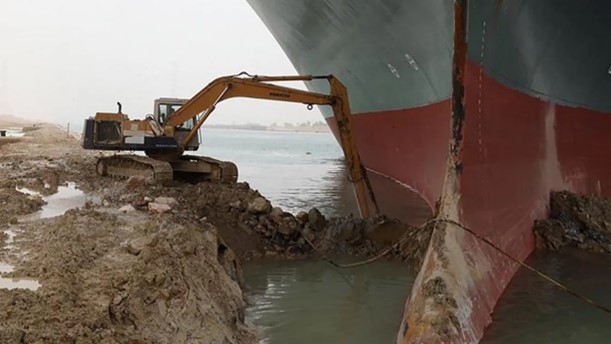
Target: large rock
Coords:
[(259, 205), (127, 209), (236, 205), (307, 232), (136, 246), (316, 220), (135, 182), (276, 213), (288, 225), (166, 200), (302, 217), (158, 208)]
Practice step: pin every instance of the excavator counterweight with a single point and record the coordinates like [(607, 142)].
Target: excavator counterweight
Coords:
[(173, 128)]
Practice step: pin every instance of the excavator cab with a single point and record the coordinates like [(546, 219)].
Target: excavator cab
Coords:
[(164, 109)]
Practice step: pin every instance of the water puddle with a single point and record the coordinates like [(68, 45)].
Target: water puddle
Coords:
[(66, 197), (311, 301), (19, 283), (6, 268), (15, 283), (28, 191)]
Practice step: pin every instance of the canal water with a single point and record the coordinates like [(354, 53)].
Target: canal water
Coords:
[(534, 311), (314, 302)]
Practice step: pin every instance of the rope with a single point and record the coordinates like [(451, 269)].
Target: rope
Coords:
[(529, 267), (387, 250), (405, 236)]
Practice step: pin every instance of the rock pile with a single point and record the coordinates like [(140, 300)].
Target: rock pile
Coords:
[(253, 227), (582, 222)]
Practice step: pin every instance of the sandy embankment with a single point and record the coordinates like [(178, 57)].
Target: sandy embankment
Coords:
[(106, 276)]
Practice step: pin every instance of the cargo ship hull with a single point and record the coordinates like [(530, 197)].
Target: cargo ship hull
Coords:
[(537, 99)]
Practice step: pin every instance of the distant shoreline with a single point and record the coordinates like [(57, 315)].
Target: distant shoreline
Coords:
[(295, 129)]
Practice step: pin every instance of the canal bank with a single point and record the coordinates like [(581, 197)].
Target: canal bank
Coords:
[(130, 260)]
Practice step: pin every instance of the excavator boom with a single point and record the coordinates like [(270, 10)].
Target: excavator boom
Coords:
[(250, 87), (176, 138)]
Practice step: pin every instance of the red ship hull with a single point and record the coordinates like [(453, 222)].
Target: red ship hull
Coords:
[(537, 87), (517, 149)]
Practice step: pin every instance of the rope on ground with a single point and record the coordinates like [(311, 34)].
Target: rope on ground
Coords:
[(405, 236)]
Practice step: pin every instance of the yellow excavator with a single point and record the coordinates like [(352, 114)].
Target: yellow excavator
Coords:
[(173, 128)]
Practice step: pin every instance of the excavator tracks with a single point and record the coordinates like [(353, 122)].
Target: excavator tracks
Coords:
[(201, 168), (189, 168), (125, 166)]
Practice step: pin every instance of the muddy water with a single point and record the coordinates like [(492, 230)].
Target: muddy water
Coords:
[(66, 197), (534, 311), (19, 283), (313, 302), (15, 283)]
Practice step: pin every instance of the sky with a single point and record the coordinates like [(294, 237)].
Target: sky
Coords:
[(63, 60)]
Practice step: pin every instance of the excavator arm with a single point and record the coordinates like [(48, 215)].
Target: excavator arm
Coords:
[(205, 101), (251, 87)]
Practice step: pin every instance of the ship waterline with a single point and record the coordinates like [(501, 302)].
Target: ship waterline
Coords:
[(537, 119)]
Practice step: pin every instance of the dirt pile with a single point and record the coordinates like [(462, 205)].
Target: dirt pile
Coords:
[(108, 276), (14, 203), (124, 278), (582, 222)]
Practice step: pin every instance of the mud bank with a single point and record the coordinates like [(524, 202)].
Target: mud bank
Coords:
[(122, 278), (106, 276), (147, 262), (582, 222)]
